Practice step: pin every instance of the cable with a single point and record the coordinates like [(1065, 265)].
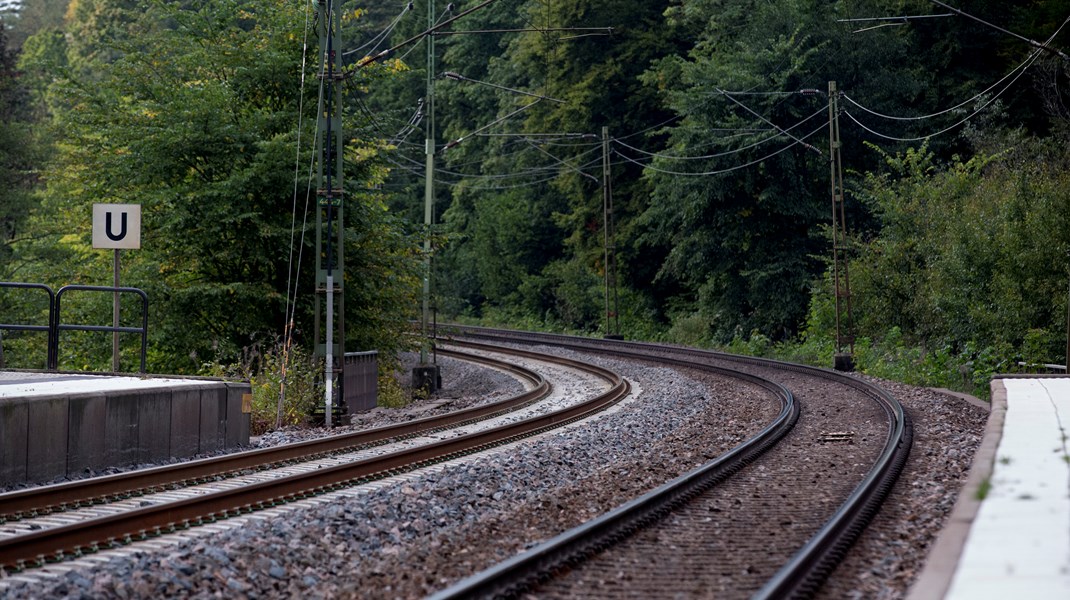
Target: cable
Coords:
[(472, 175), (291, 277), (563, 163), (719, 154), (382, 35), (946, 129), (768, 122), (1023, 66), (1028, 61), (438, 21), (721, 171)]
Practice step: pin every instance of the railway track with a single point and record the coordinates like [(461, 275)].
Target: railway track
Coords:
[(51, 523), (809, 497), (774, 530)]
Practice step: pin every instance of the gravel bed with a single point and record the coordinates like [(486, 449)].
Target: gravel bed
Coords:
[(366, 547), (410, 538), (464, 384), (891, 553)]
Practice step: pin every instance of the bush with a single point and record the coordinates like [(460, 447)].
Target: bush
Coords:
[(266, 368)]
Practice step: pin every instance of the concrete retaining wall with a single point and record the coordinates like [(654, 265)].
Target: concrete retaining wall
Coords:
[(43, 438)]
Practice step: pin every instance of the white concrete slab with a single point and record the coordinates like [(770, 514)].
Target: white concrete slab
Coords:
[(23, 385), (1019, 544)]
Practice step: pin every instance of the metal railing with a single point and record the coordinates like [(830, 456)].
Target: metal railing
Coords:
[(56, 325), (24, 327)]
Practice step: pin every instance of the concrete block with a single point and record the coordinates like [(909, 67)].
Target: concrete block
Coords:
[(85, 433), (154, 426), (237, 421), (185, 421), (120, 428), (13, 435), (46, 452), (213, 428)]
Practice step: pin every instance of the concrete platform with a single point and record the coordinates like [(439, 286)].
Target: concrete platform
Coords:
[(1009, 534), (55, 425)]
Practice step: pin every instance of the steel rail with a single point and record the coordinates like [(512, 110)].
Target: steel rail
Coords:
[(519, 574), (56, 543), (808, 569), (58, 497)]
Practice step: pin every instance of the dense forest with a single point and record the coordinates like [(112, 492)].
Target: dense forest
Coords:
[(706, 122)]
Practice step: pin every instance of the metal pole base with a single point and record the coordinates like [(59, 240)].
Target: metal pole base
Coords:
[(843, 362), (427, 378)]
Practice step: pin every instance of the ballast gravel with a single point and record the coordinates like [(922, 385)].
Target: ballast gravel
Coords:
[(418, 535)]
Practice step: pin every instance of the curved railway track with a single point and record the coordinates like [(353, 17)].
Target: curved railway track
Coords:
[(809, 522), (58, 539)]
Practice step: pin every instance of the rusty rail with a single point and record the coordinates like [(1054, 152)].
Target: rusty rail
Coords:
[(57, 497), (56, 543)]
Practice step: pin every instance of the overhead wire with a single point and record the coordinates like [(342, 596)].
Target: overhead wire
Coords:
[(1022, 66), (382, 35), (292, 277), (1020, 70), (446, 11), (727, 170), (718, 154)]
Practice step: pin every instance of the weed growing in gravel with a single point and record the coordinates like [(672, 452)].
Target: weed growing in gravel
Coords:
[(264, 367)]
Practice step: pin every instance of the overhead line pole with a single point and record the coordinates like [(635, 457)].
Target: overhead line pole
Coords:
[(609, 243), (429, 180), (426, 376), (843, 361), (329, 192)]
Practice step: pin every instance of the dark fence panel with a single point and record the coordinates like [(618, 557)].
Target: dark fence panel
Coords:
[(361, 380)]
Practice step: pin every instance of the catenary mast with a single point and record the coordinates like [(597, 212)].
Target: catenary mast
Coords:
[(330, 327)]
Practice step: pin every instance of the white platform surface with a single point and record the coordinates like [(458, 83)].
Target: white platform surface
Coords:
[(21, 384), (1019, 544)]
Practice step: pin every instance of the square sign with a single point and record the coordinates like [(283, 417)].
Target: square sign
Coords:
[(116, 225)]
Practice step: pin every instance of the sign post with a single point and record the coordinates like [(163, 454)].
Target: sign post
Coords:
[(116, 226)]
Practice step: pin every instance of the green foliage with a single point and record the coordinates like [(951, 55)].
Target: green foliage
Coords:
[(284, 381), (971, 254), (17, 155), (192, 111)]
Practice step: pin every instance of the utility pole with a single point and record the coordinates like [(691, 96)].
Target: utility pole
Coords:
[(843, 359), (330, 225), (609, 242), (426, 375)]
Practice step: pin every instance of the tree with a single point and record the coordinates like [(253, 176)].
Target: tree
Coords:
[(196, 119), (16, 154)]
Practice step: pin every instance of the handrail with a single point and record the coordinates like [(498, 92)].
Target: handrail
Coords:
[(22, 327), (57, 325)]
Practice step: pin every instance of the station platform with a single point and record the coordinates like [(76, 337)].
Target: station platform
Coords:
[(1009, 533), (57, 425)]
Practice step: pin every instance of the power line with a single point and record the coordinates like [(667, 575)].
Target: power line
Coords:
[(1029, 41), (719, 154), (367, 60), (777, 127), (459, 77), (727, 170), (1024, 65), (382, 35)]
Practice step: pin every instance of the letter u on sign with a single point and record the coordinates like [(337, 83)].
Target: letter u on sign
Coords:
[(116, 225)]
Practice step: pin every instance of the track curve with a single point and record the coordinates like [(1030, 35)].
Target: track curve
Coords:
[(810, 559)]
